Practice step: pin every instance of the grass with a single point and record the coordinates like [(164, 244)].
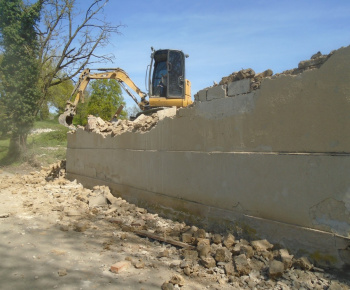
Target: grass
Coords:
[(42, 149)]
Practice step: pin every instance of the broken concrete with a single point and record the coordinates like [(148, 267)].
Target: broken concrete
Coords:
[(271, 161), (109, 255)]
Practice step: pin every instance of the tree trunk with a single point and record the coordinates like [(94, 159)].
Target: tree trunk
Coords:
[(18, 145)]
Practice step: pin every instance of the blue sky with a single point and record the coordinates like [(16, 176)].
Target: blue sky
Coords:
[(224, 36)]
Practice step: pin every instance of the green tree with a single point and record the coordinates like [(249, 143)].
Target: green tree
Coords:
[(19, 68), (105, 99)]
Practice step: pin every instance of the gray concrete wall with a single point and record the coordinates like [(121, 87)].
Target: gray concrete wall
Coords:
[(274, 161)]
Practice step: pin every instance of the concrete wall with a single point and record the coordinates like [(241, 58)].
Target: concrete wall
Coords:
[(273, 161)]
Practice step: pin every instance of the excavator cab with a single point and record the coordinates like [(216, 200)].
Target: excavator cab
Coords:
[(167, 85)]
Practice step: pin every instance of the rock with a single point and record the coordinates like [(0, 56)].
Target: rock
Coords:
[(177, 279), (229, 269), (164, 253), (203, 250), (303, 263), (187, 271), (276, 269), (167, 286), (187, 237), (223, 255), (229, 240), (261, 245), (286, 258), (247, 250), (97, 201), (201, 241), (190, 255), (62, 272), (217, 239), (4, 215), (120, 266), (200, 234), (242, 265), (208, 262), (139, 264), (257, 265)]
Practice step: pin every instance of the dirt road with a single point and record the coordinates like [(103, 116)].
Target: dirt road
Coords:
[(55, 234)]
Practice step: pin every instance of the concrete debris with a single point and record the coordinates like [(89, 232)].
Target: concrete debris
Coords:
[(148, 240), (141, 124), (316, 61)]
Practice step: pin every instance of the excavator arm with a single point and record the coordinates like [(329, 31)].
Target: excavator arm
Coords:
[(66, 119)]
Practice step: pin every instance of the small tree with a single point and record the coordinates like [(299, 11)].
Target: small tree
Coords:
[(19, 68), (105, 98)]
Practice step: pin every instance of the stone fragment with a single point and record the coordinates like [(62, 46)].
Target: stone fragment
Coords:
[(190, 255), (97, 201), (242, 265), (276, 269), (167, 286), (286, 258), (223, 255), (187, 237), (257, 265), (139, 264), (303, 263), (120, 266), (261, 245), (187, 271), (247, 250), (4, 215), (62, 272), (208, 262), (164, 253), (203, 250), (217, 239), (199, 234), (229, 240), (203, 242), (177, 279), (229, 269)]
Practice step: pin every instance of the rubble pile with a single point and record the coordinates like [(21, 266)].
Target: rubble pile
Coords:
[(247, 74), (189, 252), (315, 62), (142, 123)]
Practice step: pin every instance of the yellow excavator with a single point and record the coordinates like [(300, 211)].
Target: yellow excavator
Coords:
[(167, 86)]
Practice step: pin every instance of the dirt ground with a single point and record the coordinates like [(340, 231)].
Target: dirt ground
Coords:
[(55, 234)]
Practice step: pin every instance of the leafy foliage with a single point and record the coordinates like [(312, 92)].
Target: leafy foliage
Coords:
[(105, 99), (19, 67)]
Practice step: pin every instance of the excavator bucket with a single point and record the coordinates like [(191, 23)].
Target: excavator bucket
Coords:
[(66, 119)]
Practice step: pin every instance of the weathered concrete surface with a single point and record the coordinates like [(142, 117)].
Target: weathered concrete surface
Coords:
[(274, 161)]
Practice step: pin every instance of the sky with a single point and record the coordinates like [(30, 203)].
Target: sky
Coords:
[(224, 36)]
